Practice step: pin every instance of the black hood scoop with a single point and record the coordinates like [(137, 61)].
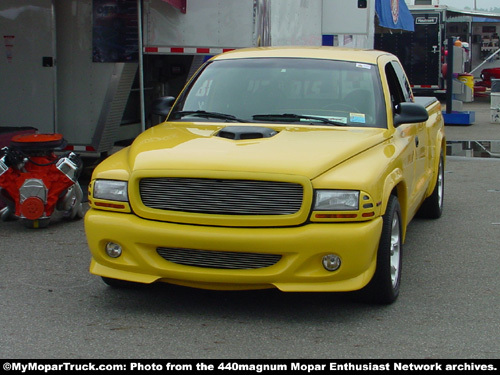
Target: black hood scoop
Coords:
[(246, 132)]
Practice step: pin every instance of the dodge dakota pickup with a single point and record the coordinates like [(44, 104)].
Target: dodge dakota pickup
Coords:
[(297, 168)]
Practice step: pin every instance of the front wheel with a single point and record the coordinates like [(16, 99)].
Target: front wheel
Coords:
[(384, 286)]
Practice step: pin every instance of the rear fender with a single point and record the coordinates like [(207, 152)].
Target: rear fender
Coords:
[(437, 153)]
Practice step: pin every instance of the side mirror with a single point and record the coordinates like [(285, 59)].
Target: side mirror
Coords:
[(410, 113), (161, 106)]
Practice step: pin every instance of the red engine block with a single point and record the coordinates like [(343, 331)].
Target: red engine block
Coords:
[(35, 179)]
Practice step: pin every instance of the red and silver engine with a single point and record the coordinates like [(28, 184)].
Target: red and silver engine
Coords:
[(35, 183)]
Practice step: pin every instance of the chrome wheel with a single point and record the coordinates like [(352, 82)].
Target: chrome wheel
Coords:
[(440, 184), (384, 286), (395, 252)]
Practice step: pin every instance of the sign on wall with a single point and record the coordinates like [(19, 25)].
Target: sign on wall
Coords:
[(115, 31)]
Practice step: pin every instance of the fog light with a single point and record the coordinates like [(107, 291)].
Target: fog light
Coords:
[(331, 262), (113, 249)]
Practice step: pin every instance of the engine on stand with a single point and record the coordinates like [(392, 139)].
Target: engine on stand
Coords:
[(36, 183)]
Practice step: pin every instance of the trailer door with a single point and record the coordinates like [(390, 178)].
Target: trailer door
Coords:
[(425, 64), (419, 51), (27, 64)]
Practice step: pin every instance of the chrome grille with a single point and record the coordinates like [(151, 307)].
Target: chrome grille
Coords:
[(224, 197), (217, 259)]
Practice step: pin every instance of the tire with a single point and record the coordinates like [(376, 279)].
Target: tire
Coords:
[(384, 286), (432, 208), (120, 284)]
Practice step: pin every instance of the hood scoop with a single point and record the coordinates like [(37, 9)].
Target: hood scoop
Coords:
[(246, 132)]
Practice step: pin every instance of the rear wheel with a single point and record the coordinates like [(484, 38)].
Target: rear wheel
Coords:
[(432, 208), (384, 286)]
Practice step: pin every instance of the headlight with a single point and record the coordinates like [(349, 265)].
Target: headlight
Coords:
[(111, 190), (336, 200)]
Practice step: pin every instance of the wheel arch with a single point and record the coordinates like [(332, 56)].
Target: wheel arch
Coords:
[(396, 185)]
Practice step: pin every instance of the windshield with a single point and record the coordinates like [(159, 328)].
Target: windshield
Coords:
[(309, 91)]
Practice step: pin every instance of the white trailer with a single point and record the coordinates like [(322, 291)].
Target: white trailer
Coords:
[(27, 72), (212, 26)]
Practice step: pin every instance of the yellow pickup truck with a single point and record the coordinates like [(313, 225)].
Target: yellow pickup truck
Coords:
[(290, 168)]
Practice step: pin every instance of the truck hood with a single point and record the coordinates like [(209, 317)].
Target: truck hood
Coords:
[(296, 150)]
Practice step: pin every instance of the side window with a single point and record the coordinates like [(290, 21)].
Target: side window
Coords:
[(403, 81), (397, 94)]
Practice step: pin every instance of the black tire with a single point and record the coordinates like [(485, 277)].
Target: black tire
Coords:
[(384, 286), (120, 284), (432, 208)]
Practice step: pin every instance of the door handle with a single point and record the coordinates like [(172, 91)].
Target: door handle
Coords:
[(47, 61), (417, 142)]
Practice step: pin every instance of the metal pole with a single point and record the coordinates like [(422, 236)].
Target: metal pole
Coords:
[(449, 76), (53, 69), (141, 65)]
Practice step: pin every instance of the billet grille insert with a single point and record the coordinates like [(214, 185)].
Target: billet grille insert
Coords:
[(224, 197), (217, 259)]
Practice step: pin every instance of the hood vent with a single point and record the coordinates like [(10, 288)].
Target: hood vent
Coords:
[(246, 132)]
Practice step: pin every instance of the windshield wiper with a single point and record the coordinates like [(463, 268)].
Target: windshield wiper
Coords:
[(217, 115), (295, 117)]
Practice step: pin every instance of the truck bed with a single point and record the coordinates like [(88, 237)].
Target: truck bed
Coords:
[(425, 100)]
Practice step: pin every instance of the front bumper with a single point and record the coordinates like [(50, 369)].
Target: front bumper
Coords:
[(300, 268)]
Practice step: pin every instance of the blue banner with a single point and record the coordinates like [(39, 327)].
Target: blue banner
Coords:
[(394, 14)]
